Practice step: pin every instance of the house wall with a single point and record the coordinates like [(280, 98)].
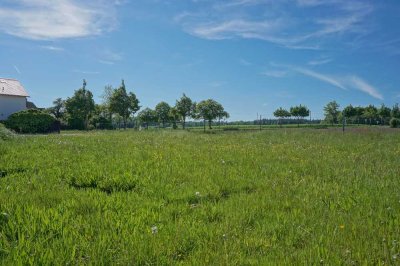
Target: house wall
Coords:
[(10, 105)]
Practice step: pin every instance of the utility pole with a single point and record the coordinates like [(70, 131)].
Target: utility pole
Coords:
[(260, 122)]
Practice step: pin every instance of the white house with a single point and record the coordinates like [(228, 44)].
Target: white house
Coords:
[(13, 97)]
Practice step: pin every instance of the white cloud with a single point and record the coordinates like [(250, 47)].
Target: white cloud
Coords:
[(275, 73), (277, 22), (47, 20), (53, 48), (319, 62), (342, 82), (363, 86), (17, 69), (235, 28), (328, 79)]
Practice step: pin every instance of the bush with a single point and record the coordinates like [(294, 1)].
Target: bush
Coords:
[(31, 121), (5, 133), (394, 122)]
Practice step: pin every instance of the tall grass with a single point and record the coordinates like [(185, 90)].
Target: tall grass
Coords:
[(159, 198)]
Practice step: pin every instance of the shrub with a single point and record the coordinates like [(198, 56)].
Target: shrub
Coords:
[(5, 133), (31, 121), (394, 122)]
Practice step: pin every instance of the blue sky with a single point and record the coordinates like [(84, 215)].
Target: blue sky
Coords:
[(251, 55)]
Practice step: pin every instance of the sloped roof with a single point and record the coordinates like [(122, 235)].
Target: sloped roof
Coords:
[(12, 87)]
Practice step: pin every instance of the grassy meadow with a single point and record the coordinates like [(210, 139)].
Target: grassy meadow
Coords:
[(279, 196)]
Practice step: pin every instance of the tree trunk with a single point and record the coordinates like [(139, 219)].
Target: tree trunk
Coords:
[(209, 124), (184, 122), (204, 125)]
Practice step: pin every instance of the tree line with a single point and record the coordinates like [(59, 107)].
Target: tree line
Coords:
[(120, 108), (370, 114)]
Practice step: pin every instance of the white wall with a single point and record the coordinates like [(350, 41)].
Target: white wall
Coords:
[(10, 105)]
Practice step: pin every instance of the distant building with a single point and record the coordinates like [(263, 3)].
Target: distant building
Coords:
[(13, 97)]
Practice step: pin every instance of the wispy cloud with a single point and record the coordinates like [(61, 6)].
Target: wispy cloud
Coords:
[(17, 69), (47, 20), (52, 48), (319, 62), (343, 82), (363, 86), (275, 22), (275, 73), (244, 62), (325, 78), (86, 72)]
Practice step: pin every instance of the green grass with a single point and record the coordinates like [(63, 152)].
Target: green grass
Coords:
[(296, 196)]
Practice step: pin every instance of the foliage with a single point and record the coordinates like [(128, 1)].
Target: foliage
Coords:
[(370, 113), (123, 103), (349, 111), (332, 112), (300, 111), (395, 111), (174, 117), (30, 121), (79, 108), (209, 110), (5, 134), (277, 197), (147, 116), (184, 106), (394, 122), (101, 117), (58, 108), (163, 112)]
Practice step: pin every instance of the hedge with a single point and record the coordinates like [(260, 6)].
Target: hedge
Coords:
[(394, 122), (31, 121)]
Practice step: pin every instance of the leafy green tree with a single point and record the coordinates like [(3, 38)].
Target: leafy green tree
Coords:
[(209, 110), (58, 108), (299, 111), (332, 112), (384, 114), (124, 104), (395, 113), (359, 111), (349, 112), (80, 107), (370, 113), (100, 118), (184, 107), (106, 97), (281, 113), (162, 111), (174, 117), (147, 116)]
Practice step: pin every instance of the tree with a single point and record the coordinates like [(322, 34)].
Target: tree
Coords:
[(209, 110), (384, 114), (395, 113), (332, 112), (147, 116), (162, 111), (106, 97), (281, 113), (58, 108), (124, 104), (370, 113), (80, 107), (174, 116), (184, 106), (349, 112), (299, 112), (359, 111)]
